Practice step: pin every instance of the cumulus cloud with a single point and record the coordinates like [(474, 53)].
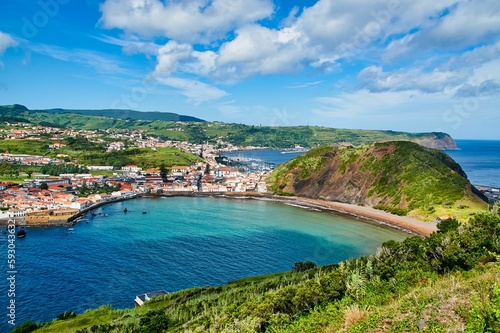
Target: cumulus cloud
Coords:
[(226, 41), (485, 88), (451, 26), (375, 79), (195, 21)]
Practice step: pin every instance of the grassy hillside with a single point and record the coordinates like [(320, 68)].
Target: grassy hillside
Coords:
[(82, 151), (198, 132), (400, 177), (448, 282), (129, 114)]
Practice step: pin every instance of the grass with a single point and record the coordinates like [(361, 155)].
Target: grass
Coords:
[(88, 153), (443, 303), (439, 304)]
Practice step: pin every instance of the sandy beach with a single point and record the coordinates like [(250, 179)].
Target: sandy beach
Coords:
[(403, 222), (412, 225)]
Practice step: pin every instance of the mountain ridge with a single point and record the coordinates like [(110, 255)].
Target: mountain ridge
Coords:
[(200, 131)]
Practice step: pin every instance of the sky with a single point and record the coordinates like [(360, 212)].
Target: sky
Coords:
[(405, 65)]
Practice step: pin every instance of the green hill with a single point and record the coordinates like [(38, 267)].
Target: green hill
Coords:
[(400, 177), (166, 126), (82, 151), (447, 282), (129, 114)]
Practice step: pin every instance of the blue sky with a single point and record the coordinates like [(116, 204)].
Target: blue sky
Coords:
[(415, 66)]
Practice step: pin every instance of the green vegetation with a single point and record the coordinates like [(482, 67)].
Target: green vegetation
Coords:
[(143, 157), (447, 282), (129, 114), (400, 177), (159, 124), (82, 151), (393, 210)]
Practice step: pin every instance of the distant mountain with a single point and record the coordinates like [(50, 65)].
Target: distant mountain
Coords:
[(22, 112), (196, 130), (129, 114), (400, 177)]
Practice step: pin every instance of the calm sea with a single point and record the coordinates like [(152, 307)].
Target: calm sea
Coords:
[(179, 243), (480, 159)]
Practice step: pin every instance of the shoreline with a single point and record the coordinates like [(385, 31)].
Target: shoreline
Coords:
[(403, 223)]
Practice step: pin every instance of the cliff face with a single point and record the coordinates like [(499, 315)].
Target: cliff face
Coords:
[(437, 141), (401, 175)]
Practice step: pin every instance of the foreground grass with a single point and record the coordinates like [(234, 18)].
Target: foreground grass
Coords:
[(455, 302)]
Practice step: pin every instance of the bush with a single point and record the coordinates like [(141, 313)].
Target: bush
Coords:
[(303, 266), (26, 327), (392, 210)]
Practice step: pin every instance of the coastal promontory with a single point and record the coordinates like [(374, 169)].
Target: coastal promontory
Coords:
[(400, 177)]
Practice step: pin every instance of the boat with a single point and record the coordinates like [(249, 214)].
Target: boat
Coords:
[(141, 299), (294, 150), (21, 233)]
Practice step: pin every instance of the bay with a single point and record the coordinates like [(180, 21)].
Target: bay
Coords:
[(179, 243)]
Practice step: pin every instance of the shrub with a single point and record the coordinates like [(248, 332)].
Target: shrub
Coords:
[(26, 327), (303, 266)]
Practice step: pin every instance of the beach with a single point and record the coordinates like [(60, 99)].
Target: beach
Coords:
[(402, 222)]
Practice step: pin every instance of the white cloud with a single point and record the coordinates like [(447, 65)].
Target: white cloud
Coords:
[(374, 79), (461, 24), (305, 85), (195, 21), (132, 45), (414, 47), (475, 69), (196, 91), (316, 37), (6, 41), (485, 88), (101, 62)]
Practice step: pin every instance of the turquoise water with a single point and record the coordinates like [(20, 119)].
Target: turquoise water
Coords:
[(179, 243)]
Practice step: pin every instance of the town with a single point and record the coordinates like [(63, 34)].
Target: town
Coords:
[(43, 199)]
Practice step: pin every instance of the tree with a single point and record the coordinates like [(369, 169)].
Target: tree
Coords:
[(44, 186), (84, 187), (163, 172), (207, 169)]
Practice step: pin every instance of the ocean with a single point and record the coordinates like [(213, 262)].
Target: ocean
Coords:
[(179, 243), (480, 160)]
